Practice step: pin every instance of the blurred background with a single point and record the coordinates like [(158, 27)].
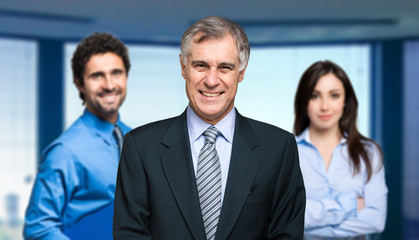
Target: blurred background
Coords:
[(376, 42)]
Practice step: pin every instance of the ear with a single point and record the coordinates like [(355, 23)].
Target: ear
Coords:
[(78, 84), (182, 66), (241, 77)]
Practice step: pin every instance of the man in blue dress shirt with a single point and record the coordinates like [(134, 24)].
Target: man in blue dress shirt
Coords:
[(77, 173)]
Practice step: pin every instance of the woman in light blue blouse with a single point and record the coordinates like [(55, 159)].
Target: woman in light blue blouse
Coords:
[(343, 170)]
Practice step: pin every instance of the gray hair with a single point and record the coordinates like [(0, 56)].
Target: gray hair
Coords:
[(214, 27)]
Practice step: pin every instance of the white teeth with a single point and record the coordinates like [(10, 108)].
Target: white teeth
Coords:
[(109, 98), (210, 94)]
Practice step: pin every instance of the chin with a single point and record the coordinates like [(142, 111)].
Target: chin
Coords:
[(109, 110)]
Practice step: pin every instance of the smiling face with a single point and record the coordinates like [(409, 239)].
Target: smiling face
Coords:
[(212, 76), (326, 105), (104, 88)]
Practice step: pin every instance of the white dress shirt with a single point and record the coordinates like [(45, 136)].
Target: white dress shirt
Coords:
[(223, 144)]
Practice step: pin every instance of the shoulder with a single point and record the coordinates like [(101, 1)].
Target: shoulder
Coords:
[(124, 127), (271, 138), (267, 130), (77, 131), (371, 147), (66, 145), (153, 130), (374, 152)]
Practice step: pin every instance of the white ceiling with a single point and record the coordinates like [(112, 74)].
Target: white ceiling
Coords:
[(266, 22)]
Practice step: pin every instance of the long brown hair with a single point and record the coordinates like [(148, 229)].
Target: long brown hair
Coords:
[(347, 123)]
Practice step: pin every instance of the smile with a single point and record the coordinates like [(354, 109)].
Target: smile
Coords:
[(109, 98), (207, 94), (325, 117)]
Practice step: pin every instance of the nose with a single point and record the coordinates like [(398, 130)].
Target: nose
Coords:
[(211, 79), (324, 105), (108, 82)]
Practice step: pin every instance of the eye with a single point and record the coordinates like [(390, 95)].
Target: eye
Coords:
[(225, 68), (117, 73), (200, 67), (314, 96), (96, 76), (335, 95)]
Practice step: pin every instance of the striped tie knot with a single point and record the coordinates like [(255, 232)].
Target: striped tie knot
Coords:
[(211, 134)]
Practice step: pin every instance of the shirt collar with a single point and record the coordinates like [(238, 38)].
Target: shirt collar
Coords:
[(305, 137), (99, 125), (197, 126)]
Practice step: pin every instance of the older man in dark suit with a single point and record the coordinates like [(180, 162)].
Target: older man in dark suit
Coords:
[(210, 173)]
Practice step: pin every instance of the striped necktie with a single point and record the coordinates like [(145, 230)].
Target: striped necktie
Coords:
[(208, 178), (117, 133)]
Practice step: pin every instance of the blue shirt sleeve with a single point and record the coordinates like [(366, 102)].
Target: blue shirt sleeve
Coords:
[(372, 217), (329, 211), (54, 184)]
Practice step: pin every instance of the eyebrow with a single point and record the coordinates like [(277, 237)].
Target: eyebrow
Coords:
[(102, 73), (232, 65), (228, 64), (96, 73), (332, 90), (199, 61), (117, 70)]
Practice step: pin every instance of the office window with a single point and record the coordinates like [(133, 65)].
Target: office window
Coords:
[(410, 164), (156, 88), (18, 132)]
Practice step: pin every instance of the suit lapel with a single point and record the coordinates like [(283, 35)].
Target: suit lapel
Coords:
[(244, 164), (178, 168)]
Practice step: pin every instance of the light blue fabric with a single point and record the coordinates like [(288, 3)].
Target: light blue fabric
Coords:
[(223, 144), (77, 176), (331, 195)]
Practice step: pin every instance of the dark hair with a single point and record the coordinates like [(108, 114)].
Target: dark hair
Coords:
[(96, 43), (347, 123), (214, 27)]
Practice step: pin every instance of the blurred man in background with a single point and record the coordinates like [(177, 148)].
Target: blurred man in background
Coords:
[(77, 172)]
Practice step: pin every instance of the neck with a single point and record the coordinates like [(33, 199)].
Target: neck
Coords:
[(327, 136), (110, 117)]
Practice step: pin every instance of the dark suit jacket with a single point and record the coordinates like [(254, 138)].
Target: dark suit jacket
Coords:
[(156, 195)]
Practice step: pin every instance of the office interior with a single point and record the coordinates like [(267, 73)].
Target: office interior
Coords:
[(376, 42)]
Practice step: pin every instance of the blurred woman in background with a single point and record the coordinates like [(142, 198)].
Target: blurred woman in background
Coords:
[(343, 170)]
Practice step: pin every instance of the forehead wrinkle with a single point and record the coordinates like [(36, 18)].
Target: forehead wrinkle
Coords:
[(205, 48)]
